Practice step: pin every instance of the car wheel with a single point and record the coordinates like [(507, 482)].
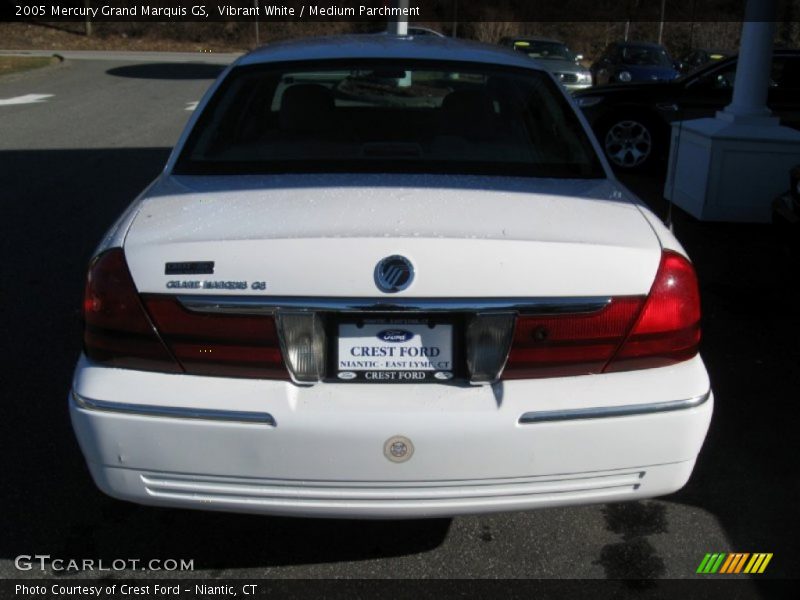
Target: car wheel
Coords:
[(629, 143)]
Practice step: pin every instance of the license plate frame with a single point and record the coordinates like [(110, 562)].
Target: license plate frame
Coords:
[(439, 328)]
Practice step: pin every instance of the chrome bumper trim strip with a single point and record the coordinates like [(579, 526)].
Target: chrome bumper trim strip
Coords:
[(174, 412), (613, 411), (255, 305)]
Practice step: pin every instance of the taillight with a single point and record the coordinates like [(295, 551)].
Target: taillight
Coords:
[(630, 333), (156, 333), (575, 344), (218, 344), (117, 331), (668, 329)]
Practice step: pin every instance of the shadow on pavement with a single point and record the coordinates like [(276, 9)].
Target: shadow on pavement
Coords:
[(56, 206), (180, 71)]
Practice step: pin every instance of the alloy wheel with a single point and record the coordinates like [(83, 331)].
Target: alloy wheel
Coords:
[(628, 144)]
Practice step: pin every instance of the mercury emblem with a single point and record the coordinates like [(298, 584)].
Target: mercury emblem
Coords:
[(394, 274)]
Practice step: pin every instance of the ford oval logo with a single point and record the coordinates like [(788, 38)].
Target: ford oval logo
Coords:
[(394, 274), (395, 335)]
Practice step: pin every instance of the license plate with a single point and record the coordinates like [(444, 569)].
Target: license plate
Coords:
[(395, 351)]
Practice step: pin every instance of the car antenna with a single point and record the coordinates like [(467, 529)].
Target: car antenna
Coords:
[(673, 161), (674, 155)]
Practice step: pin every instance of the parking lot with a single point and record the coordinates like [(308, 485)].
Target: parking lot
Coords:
[(97, 131)]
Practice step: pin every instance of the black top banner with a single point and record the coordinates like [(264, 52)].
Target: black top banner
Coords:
[(383, 10)]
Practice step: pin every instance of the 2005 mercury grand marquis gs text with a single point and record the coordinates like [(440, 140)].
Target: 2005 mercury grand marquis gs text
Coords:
[(388, 277)]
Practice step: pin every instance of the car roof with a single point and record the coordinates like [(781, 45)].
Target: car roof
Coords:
[(424, 30), (734, 53), (785, 51), (534, 39), (734, 56), (726, 52), (386, 46), (640, 44)]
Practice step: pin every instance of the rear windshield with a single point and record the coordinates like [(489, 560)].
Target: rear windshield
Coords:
[(389, 116), (645, 56)]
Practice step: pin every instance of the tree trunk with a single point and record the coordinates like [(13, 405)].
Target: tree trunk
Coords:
[(88, 22)]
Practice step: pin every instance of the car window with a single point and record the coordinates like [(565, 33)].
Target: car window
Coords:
[(417, 116), (645, 56), (717, 79), (786, 73)]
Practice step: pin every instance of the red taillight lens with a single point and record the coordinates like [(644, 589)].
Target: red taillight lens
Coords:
[(630, 333), (218, 344), (557, 346), (668, 330), (117, 331)]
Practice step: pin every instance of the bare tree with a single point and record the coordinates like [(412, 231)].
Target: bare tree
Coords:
[(491, 31)]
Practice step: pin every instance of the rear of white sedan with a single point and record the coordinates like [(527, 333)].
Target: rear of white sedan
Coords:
[(388, 277)]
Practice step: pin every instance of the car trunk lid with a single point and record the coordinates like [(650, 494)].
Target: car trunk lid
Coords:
[(322, 235)]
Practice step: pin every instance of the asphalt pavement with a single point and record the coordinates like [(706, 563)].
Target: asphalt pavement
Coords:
[(90, 136)]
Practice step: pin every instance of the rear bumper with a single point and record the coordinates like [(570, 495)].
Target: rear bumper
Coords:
[(321, 451)]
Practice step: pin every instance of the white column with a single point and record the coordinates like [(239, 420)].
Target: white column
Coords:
[(755, 63), (730, 168), (398, 25)]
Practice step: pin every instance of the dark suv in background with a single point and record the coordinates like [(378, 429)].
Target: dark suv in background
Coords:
[(624, 62)]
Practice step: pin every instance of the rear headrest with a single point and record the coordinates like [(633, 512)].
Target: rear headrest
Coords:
[(306, 107)]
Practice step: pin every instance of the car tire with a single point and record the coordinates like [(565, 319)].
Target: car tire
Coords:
[(630, 142)]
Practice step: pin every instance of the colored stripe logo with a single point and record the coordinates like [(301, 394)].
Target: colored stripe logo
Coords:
[(734, 563)]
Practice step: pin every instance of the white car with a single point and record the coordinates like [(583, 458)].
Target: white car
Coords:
[(388, 277)]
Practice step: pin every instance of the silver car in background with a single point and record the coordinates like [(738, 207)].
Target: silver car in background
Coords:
[(555, 57)]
